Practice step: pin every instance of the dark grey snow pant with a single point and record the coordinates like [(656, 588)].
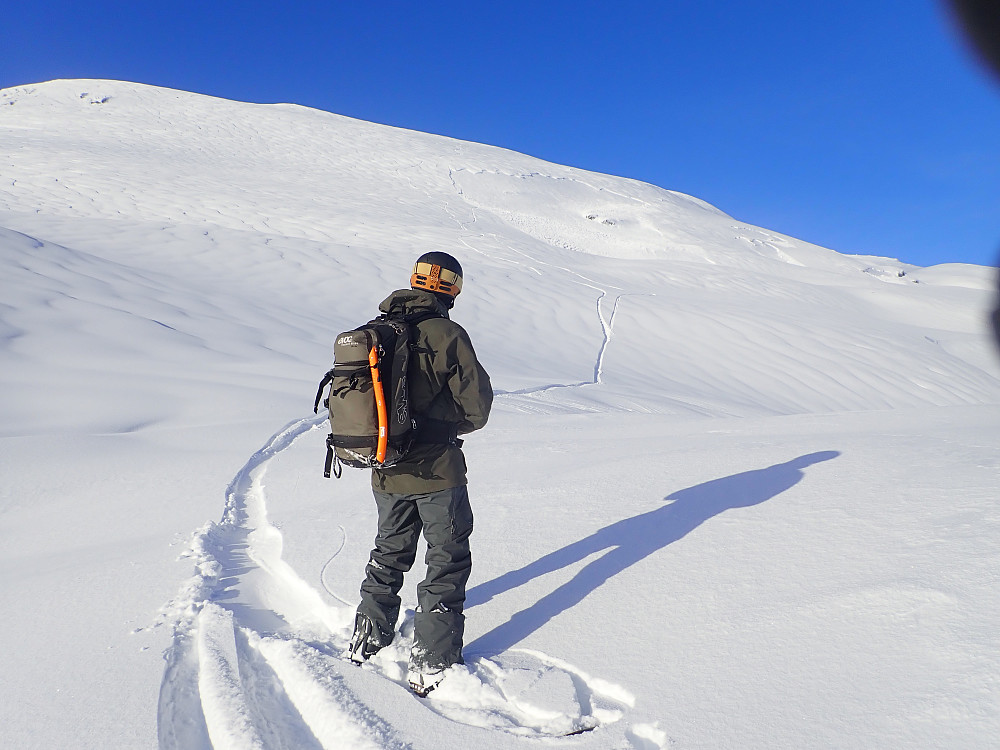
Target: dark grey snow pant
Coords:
[(439, 625)]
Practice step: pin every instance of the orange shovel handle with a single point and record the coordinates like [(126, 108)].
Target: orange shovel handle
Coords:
[(383, 421)]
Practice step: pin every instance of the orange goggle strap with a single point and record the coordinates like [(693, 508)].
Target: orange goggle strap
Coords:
[(436, 279)]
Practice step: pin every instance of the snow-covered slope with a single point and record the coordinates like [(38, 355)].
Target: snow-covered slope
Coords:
[(738, 490)]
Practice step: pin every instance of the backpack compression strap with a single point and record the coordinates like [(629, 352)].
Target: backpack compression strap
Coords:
[(327, 379)]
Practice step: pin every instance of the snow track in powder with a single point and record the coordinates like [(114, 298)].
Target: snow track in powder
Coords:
[(256, 659)]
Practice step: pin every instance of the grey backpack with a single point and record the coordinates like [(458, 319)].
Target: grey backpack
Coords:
[(371, 425)]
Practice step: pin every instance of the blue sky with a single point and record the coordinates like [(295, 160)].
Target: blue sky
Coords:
[(863, 126)]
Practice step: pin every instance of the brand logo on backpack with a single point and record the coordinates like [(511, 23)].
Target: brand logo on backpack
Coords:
[(403, 404)]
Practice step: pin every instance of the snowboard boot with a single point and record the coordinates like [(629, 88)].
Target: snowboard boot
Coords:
[(421, 683), (425, 671), (367, 639)]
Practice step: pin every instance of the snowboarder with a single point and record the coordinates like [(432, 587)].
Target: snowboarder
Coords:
[(450, 394)]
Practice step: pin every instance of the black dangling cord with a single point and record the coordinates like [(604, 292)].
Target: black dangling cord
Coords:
[(332, 460)]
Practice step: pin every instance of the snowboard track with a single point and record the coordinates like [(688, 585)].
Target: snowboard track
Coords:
[(256, 658), (525, 397)]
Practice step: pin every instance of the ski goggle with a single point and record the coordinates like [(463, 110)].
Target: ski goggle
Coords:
[(436, 279)]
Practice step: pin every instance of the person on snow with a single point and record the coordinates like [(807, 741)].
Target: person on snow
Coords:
[(450, 394)]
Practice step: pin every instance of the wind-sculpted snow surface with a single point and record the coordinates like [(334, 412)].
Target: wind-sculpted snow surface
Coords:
[(236, 192), (737, 490)]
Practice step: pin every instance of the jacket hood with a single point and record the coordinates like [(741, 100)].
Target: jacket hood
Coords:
[(413, 301)]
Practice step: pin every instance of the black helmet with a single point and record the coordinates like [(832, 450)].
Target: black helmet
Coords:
[(437, 272)]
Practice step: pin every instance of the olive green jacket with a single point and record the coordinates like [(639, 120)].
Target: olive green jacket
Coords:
[(446, 383)]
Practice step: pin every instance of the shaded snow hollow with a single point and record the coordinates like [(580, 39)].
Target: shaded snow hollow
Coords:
[(738, 490)]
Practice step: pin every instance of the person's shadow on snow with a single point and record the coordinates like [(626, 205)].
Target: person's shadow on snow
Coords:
[(629, 541)]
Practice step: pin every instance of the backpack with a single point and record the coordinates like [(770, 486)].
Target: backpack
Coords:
[(371, 425)]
